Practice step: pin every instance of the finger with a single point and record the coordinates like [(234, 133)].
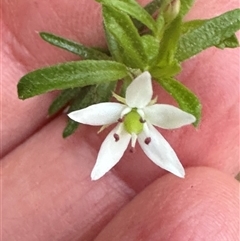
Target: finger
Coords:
[(25, 49), (204, 206), (180, 139), (216, 136), (48, 192), (48, 177), (215, 83), (215, 143)]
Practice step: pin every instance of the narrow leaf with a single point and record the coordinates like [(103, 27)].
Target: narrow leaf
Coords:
[(185, 6), (153, 6), (89, 95), (121, 27), (70, 128), (169, 42), (63, 99), (231, 42), (113, 46), (69, 75), (133, 9), (125, 83), (211, 33), (73, 47), (189, 26), (151, 46), (168, 70), (185, 98), (78, 103)]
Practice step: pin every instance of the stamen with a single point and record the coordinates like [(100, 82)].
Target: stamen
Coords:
[(132, 150), (133, 140), (116, 136), (119, 98), (125, 111), (153, 101), (147, 140), (146, 129), (120, 120), (142, 120), (102, 128), (141, 113)]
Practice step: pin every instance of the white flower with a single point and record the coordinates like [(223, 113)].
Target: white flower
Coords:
[(136, 116)]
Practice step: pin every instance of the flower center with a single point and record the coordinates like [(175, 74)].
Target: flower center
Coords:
[(133, 122)]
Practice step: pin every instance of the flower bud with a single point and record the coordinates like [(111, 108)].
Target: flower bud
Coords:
[(171, 11)]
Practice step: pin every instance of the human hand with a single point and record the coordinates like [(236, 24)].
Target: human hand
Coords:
[(47, 192)]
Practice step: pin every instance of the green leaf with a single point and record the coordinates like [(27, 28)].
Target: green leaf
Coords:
[(153, 6), (185, 98), (166, 71), (185, 6), (192, 25), (63, 99), (124, 32), (160, 26), (89, 95), (169, 43), (73, 47), (125, 83), (114, 48), (70, 128), (102, 92), (211, 33), (78, 103), (132, 8), (69, 75), (151, 46), (231, 42)]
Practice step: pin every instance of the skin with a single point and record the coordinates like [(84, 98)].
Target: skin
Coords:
[(47, 193)]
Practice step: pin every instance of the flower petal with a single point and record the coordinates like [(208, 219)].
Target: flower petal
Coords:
[(110, 152), (98, 114), (160, 152), (139, 92), (167, 116)]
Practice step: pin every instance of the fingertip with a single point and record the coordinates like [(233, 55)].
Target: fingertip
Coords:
[(203, 206)]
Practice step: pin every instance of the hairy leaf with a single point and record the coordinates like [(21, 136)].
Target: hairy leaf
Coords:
[(185, 98), (70, 128), (151, 46), (73, 47), (185, 6), (169, 70), (88, 96), (63, 99), (231, 42), (114, 47), (69, 75), (120, 26), (211, 33), (153, 6), (133, 9), (169, 42)]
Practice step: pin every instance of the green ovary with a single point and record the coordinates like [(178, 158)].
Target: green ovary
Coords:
[(132, 122)]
